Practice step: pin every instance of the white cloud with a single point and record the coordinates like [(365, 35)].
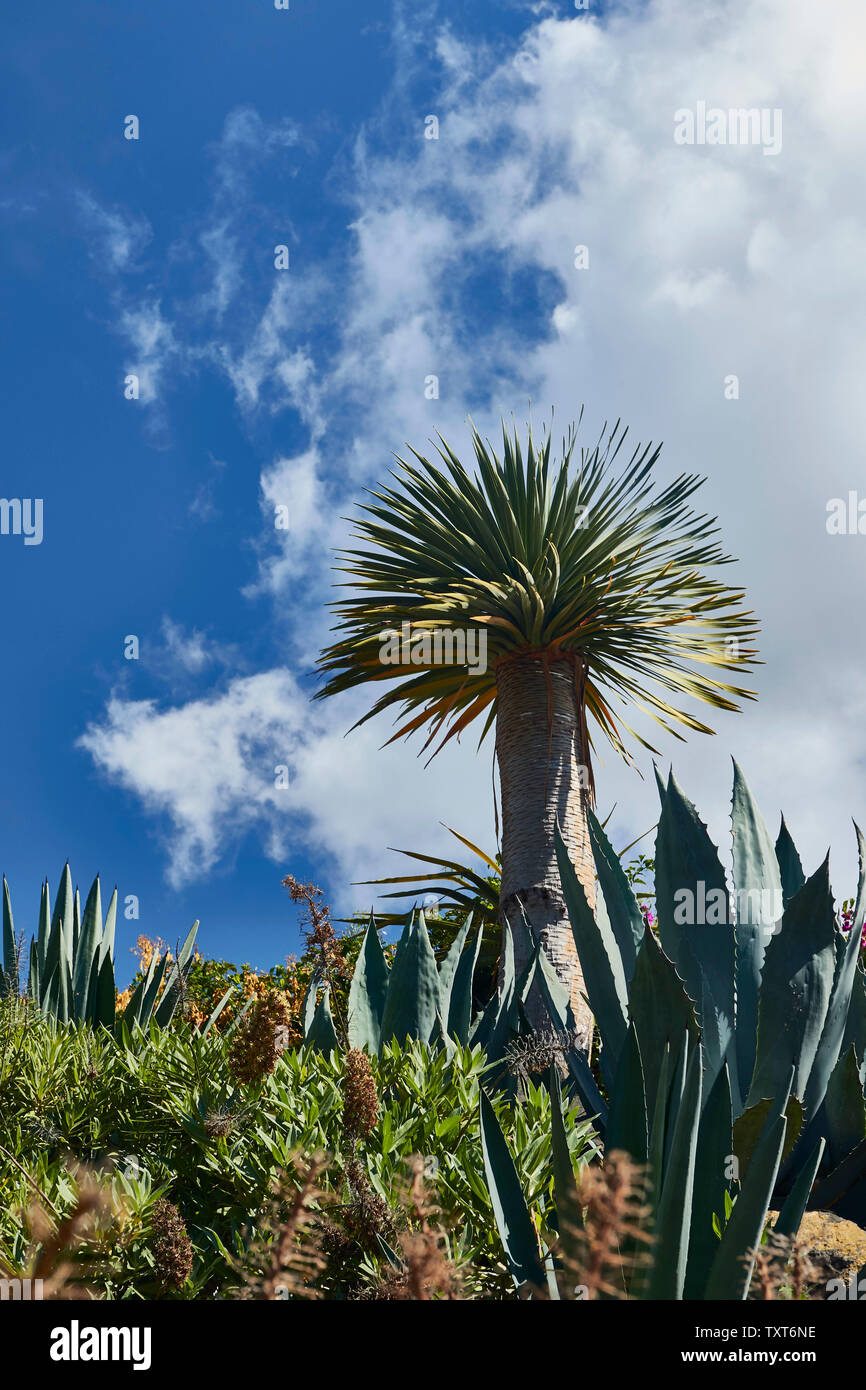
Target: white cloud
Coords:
[(188, 650), (117, 238), (246, 143), (704, 261), (209, 767), (295, 484), (153, 347)]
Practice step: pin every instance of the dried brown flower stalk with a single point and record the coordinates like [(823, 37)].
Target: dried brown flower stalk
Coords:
[(53, 1241), (782, 1266), (366, 1214), (429, 1273), (609, 1243), (287, 1252), (360, 1096), (317, 928), (170, 1245), (259, 1038)]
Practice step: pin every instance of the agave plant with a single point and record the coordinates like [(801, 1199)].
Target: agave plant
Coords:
[(71, 970), (456, 886), (412, 998), (583, 590), (733, 1048)]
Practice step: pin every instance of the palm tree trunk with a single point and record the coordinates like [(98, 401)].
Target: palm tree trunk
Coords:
[(543, 772)]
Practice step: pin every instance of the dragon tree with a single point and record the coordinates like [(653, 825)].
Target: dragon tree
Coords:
[(572, 589)]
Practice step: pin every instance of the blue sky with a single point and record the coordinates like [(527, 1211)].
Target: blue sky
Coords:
[(258, 387)]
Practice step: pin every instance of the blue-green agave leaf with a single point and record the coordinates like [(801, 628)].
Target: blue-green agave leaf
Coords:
[(599, 955), (674, 1210), (659, 1008), (732, 1267), (620, 904), (844, 1118), (694, 918), (796, 985), (413, 990), (64, 911), (106, 946), (10, 955), (790, 868), (627, 1115), (833, 1032), (43, 930), (87, 951), (789, 1218), (322, 1036), (512, 1216), (712, 1169), (760, 904), (460, 1005), (448, 967), (368, 992)]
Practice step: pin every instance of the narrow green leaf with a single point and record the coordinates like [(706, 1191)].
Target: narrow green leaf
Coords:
[(567, 1213), (218, 1010), (171, 994), (510, 1212)]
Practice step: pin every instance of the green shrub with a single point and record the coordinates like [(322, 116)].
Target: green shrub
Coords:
[(152, 1116)]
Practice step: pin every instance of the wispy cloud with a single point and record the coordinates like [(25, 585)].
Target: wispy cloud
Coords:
[(116, 238), (459, 265), (259, 758), (153, 347)]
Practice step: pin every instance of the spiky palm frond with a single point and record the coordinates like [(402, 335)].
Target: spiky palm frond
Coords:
[(562, 562), (453, 884)]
